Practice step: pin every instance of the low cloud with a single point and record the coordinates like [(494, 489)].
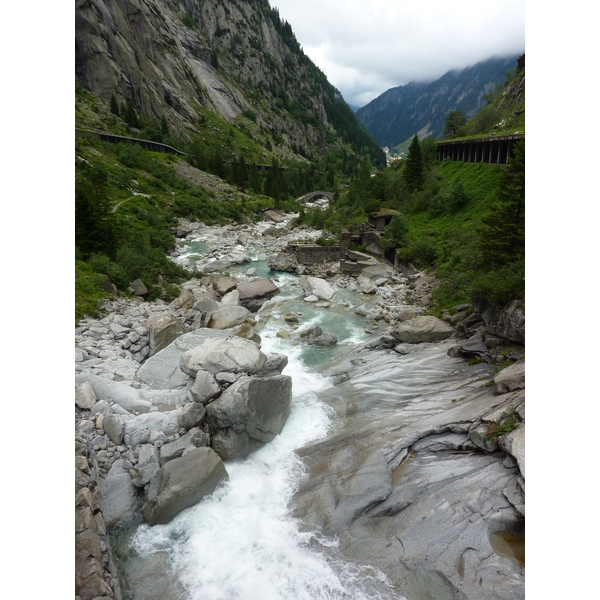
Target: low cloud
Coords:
[(366, 47)]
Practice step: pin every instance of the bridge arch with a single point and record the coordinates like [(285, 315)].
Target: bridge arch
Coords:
[(312, 195)]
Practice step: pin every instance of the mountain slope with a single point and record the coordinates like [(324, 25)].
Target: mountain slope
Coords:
[(422, 108), (170, 58)]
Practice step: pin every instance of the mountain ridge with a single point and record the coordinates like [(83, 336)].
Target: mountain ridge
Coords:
[(236, 58), (422, 107)]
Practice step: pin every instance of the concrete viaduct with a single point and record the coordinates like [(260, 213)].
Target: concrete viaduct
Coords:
[(494, 150)]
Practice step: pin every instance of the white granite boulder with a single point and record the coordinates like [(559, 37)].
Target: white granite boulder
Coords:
[(318, 287), (233, 355)]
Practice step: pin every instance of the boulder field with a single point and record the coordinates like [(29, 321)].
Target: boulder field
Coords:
[(426, 462)]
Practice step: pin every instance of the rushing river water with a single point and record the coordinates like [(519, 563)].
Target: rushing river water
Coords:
[(241, 542)]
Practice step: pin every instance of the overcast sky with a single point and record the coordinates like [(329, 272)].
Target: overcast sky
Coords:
[(366, 47)]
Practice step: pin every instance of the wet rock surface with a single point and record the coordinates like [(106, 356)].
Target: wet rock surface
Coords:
[(401, 484), (425, 462)]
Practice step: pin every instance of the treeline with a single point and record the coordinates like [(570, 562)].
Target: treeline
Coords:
[(284, 181)]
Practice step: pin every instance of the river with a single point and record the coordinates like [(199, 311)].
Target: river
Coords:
[(242, 542)]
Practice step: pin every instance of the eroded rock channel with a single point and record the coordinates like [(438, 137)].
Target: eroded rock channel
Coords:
[(307, 435)]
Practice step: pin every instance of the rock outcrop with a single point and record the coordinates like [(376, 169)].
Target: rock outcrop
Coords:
[(403, 479), (422, 329)]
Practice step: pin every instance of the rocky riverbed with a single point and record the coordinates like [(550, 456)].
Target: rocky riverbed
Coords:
[(420, 465)]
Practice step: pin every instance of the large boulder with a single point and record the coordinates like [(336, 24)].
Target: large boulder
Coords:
[(253, 295), (255, 409), (233, 355), (205, 387), (510, 379), (317, 287), (222, 284), (504, 321), (118, 496), (422, 329), (213, 266), (181, 483), (237, 257), (283, 262), (137, 288), (318, 336), (271, 215), (163, 329), (228, 316), (275, 232), (162, 371)]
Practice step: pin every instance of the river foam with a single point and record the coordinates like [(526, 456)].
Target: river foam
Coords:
[(241, 542)]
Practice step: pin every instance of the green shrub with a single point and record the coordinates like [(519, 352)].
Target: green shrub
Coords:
[(88, 291)]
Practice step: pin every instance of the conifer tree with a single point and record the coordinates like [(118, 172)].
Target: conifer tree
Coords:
[(503, 234), (164, 127), (413, 169), (129, 115), (114, 106)]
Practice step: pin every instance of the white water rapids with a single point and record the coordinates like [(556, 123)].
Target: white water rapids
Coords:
[(241, 543)]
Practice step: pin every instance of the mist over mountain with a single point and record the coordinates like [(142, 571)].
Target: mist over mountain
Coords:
[(422, 108)]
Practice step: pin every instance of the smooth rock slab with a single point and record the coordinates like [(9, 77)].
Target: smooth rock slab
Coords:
[(182, 483), (118, 498), (422, 329), (105, 389), (513, 443)]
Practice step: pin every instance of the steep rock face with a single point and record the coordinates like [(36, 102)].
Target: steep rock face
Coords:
[(171, 57)]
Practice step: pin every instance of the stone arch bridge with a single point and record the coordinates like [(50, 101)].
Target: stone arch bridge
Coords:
[(313, 195)]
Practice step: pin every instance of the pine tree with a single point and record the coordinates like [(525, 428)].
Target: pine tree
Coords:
[(164, 127), (503, 235), (413, 169), (217, 165), (94, 222), (129, 115), (114, 106), (455, 121)]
